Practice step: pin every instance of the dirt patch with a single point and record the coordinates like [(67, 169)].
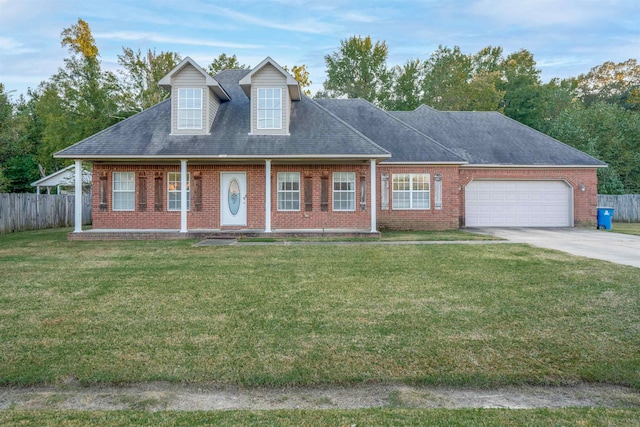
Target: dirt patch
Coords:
[(167, 396)]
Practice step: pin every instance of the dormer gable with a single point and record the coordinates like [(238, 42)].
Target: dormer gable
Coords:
[(271, 91), (195, 98)]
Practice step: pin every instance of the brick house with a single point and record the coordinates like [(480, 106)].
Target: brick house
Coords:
[(246, 150)]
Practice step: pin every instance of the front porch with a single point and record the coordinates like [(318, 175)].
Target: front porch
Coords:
[(175, 234)]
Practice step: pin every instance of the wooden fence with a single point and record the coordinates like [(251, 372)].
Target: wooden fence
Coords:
[(626, 206), (27, 211)]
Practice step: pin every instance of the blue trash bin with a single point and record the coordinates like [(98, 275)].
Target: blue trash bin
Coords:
[(604, 218)]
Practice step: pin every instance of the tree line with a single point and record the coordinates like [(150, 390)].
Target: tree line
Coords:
[(597, 112)]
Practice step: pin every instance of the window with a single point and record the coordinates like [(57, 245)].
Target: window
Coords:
[(189, 108), (270, 108), (411, 191), (344, 191), (173, 196), (288, 191), (124, 191)]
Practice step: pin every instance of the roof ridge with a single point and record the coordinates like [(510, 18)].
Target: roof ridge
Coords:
[(415, 130), (552, 138), (347, 125)]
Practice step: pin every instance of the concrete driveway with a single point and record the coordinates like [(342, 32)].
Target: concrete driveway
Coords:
[(598, 244)]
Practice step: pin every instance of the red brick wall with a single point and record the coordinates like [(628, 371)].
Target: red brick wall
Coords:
[(317, 219), (431, 219), (209, 216), (584, 204), (450, 216)]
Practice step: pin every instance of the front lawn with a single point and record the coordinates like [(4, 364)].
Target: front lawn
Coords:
[(626, 228), (361, 417), (482, 315)]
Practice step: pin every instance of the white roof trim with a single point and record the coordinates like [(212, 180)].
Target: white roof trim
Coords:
[(228, 157), (294, 86), (212, 83), (501, 166), (422, 163), (64, 176)]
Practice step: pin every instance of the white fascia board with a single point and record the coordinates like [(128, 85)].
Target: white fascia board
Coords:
[(228, 157), (422, 163), (499, 166)]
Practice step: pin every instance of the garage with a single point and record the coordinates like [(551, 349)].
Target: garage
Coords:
[(510, 203)]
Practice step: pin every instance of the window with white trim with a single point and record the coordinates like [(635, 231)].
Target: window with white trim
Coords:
[(269, 108), (174, 193), (288, 191), (411, 191), (189, 108), (344, 191), (124, 191)]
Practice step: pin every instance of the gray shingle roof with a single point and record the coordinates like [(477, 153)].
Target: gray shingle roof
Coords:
[(405, 143), (334, 128), (314, 132), (490, 138)]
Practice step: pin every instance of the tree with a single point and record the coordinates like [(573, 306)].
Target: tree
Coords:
[(406, 91), (613, 83), (17, 145), (142, 74), (359, 70), (521, 85), (79, 40), (224, 62), (79, 100), (301, 74), (610, 133), (454, 81)]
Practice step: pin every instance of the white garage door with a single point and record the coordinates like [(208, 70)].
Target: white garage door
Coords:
[(518, 204)]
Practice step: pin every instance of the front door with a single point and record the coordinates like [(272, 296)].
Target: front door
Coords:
[(233, 198)]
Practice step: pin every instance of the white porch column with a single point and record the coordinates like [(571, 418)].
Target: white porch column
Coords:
[(183, 196), (267, 196), (374, 207), (78, 198)]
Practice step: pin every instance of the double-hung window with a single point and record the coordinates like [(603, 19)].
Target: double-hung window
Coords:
[(189, 108), (174, 191), (269, 108), (344, 191), (124, 191), (411, 191), (288, 191)]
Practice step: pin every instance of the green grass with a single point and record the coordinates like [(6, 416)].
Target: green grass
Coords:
[(363, 417), (482, 315), (626, 228), (386, 236)]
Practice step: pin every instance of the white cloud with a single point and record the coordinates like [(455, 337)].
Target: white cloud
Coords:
[(9, 46), (311, 26), (159, 38)]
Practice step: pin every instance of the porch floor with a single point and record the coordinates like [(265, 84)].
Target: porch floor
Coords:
[(175, 234)]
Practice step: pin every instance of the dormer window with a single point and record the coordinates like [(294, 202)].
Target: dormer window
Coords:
[(269, 108), (189, 108)]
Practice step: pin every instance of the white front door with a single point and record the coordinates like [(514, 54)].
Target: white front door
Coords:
[(233, 198)]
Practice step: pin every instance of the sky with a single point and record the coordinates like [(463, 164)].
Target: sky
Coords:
[(566, 37)]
